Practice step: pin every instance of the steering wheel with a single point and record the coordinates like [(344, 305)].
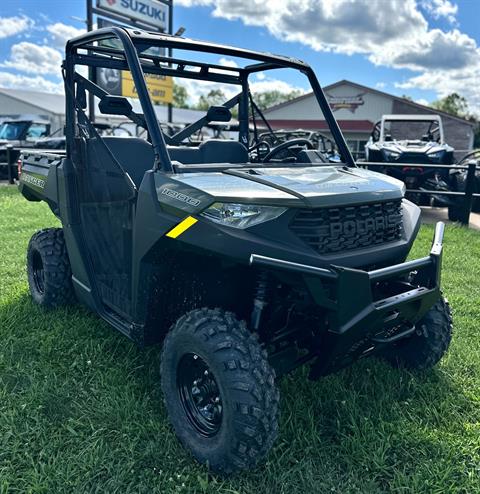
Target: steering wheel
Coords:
[(259, 150), (286, 146)]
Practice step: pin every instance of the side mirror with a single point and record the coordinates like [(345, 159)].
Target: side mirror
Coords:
[(219, 114), (115, 105)]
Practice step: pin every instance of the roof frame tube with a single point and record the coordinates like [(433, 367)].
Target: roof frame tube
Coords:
[(162, 159)]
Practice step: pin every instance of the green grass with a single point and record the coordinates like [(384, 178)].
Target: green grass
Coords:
[(81, 410)]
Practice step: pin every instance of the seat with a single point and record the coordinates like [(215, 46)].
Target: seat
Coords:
[(134, 154), (221, 151), (185, 154)]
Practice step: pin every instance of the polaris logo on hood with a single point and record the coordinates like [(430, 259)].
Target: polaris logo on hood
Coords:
[(149, 12)]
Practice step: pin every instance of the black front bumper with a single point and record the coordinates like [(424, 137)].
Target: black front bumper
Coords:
[(367, 310)]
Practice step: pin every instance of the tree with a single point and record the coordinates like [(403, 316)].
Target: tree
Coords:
[(454, 104), (215, 97), (267, 99), (180, 96)]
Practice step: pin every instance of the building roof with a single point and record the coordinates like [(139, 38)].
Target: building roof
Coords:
[(372, 90), (55, 104), (47, 102)]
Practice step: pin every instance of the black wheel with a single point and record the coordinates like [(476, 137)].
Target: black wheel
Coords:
[(48, 269), (429, 343), (455, 212), (219, 390)]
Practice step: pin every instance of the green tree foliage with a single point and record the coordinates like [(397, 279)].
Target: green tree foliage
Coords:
[(454, 104), (457, 105), (267, 99), (215, 97), (180, 96)]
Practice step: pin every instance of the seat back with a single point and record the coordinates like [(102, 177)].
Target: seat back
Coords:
[(185, 154), (134, 154), (221, 151)]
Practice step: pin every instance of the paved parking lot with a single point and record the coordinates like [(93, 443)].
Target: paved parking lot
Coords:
[(432, 215)]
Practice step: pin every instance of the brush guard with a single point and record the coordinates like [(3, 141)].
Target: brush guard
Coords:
[(367, 310)]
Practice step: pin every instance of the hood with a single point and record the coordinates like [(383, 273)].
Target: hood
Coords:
[(4, 142), (307, 186)]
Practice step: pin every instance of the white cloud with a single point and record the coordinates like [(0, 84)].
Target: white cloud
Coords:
[(60, 33), (463, 82), (270, 84), (193, 3), (227, 62), (422, 101), (34, 59), (441, 8), (392, 34), (11, 26), (38, 83)]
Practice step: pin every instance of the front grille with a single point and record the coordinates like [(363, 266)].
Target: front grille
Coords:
[(414, 158), (331, 230)]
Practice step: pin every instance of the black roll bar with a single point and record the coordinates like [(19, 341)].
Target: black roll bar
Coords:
[(162, 159)]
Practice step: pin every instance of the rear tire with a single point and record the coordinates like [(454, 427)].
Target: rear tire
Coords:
[(428, 344), (48, 269), (455, 212), (219, 390)]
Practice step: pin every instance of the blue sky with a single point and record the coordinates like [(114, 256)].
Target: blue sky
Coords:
[(423, 48)]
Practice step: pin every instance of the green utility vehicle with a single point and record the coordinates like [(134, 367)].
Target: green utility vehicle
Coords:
[(243, 264)]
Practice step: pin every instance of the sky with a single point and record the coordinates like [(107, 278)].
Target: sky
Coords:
[(425, 49)]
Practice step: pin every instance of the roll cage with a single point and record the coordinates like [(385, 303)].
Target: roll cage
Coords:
[(129, 51)]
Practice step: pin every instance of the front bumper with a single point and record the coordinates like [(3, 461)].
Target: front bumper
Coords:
[(367, 310)]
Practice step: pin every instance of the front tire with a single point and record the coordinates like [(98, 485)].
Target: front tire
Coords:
[(429, 343), (219, 390), (48, 269)]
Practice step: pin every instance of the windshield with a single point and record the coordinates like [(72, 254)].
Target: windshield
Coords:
[(412, 130), (12, 131)]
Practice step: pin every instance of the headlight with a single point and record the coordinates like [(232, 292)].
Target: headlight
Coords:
[(241, 215), (391, 155)]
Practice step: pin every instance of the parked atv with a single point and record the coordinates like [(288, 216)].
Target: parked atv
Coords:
[(413, 140), (244, 268), (18, 133)]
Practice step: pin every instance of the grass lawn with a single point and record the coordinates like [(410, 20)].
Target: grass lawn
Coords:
[(81, 409)]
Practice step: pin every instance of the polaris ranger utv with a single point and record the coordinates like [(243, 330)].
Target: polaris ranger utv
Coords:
[(244, 268), (413, 141)]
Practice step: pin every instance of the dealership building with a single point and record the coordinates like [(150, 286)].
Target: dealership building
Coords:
[(357, 108), (21, 104)]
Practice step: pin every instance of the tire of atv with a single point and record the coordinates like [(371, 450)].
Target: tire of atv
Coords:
[(455, 212), (48, 269), (431, 340), (219, 391)]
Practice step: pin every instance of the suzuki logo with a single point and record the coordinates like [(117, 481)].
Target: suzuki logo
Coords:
[(112, 2)]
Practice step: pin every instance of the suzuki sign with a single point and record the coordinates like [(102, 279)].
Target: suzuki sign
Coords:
[(149, 12)]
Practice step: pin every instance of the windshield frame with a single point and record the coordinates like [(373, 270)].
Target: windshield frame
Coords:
[(417, 119), (134, 59)]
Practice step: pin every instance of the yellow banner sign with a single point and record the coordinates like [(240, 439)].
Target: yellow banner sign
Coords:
[(160, 87)]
